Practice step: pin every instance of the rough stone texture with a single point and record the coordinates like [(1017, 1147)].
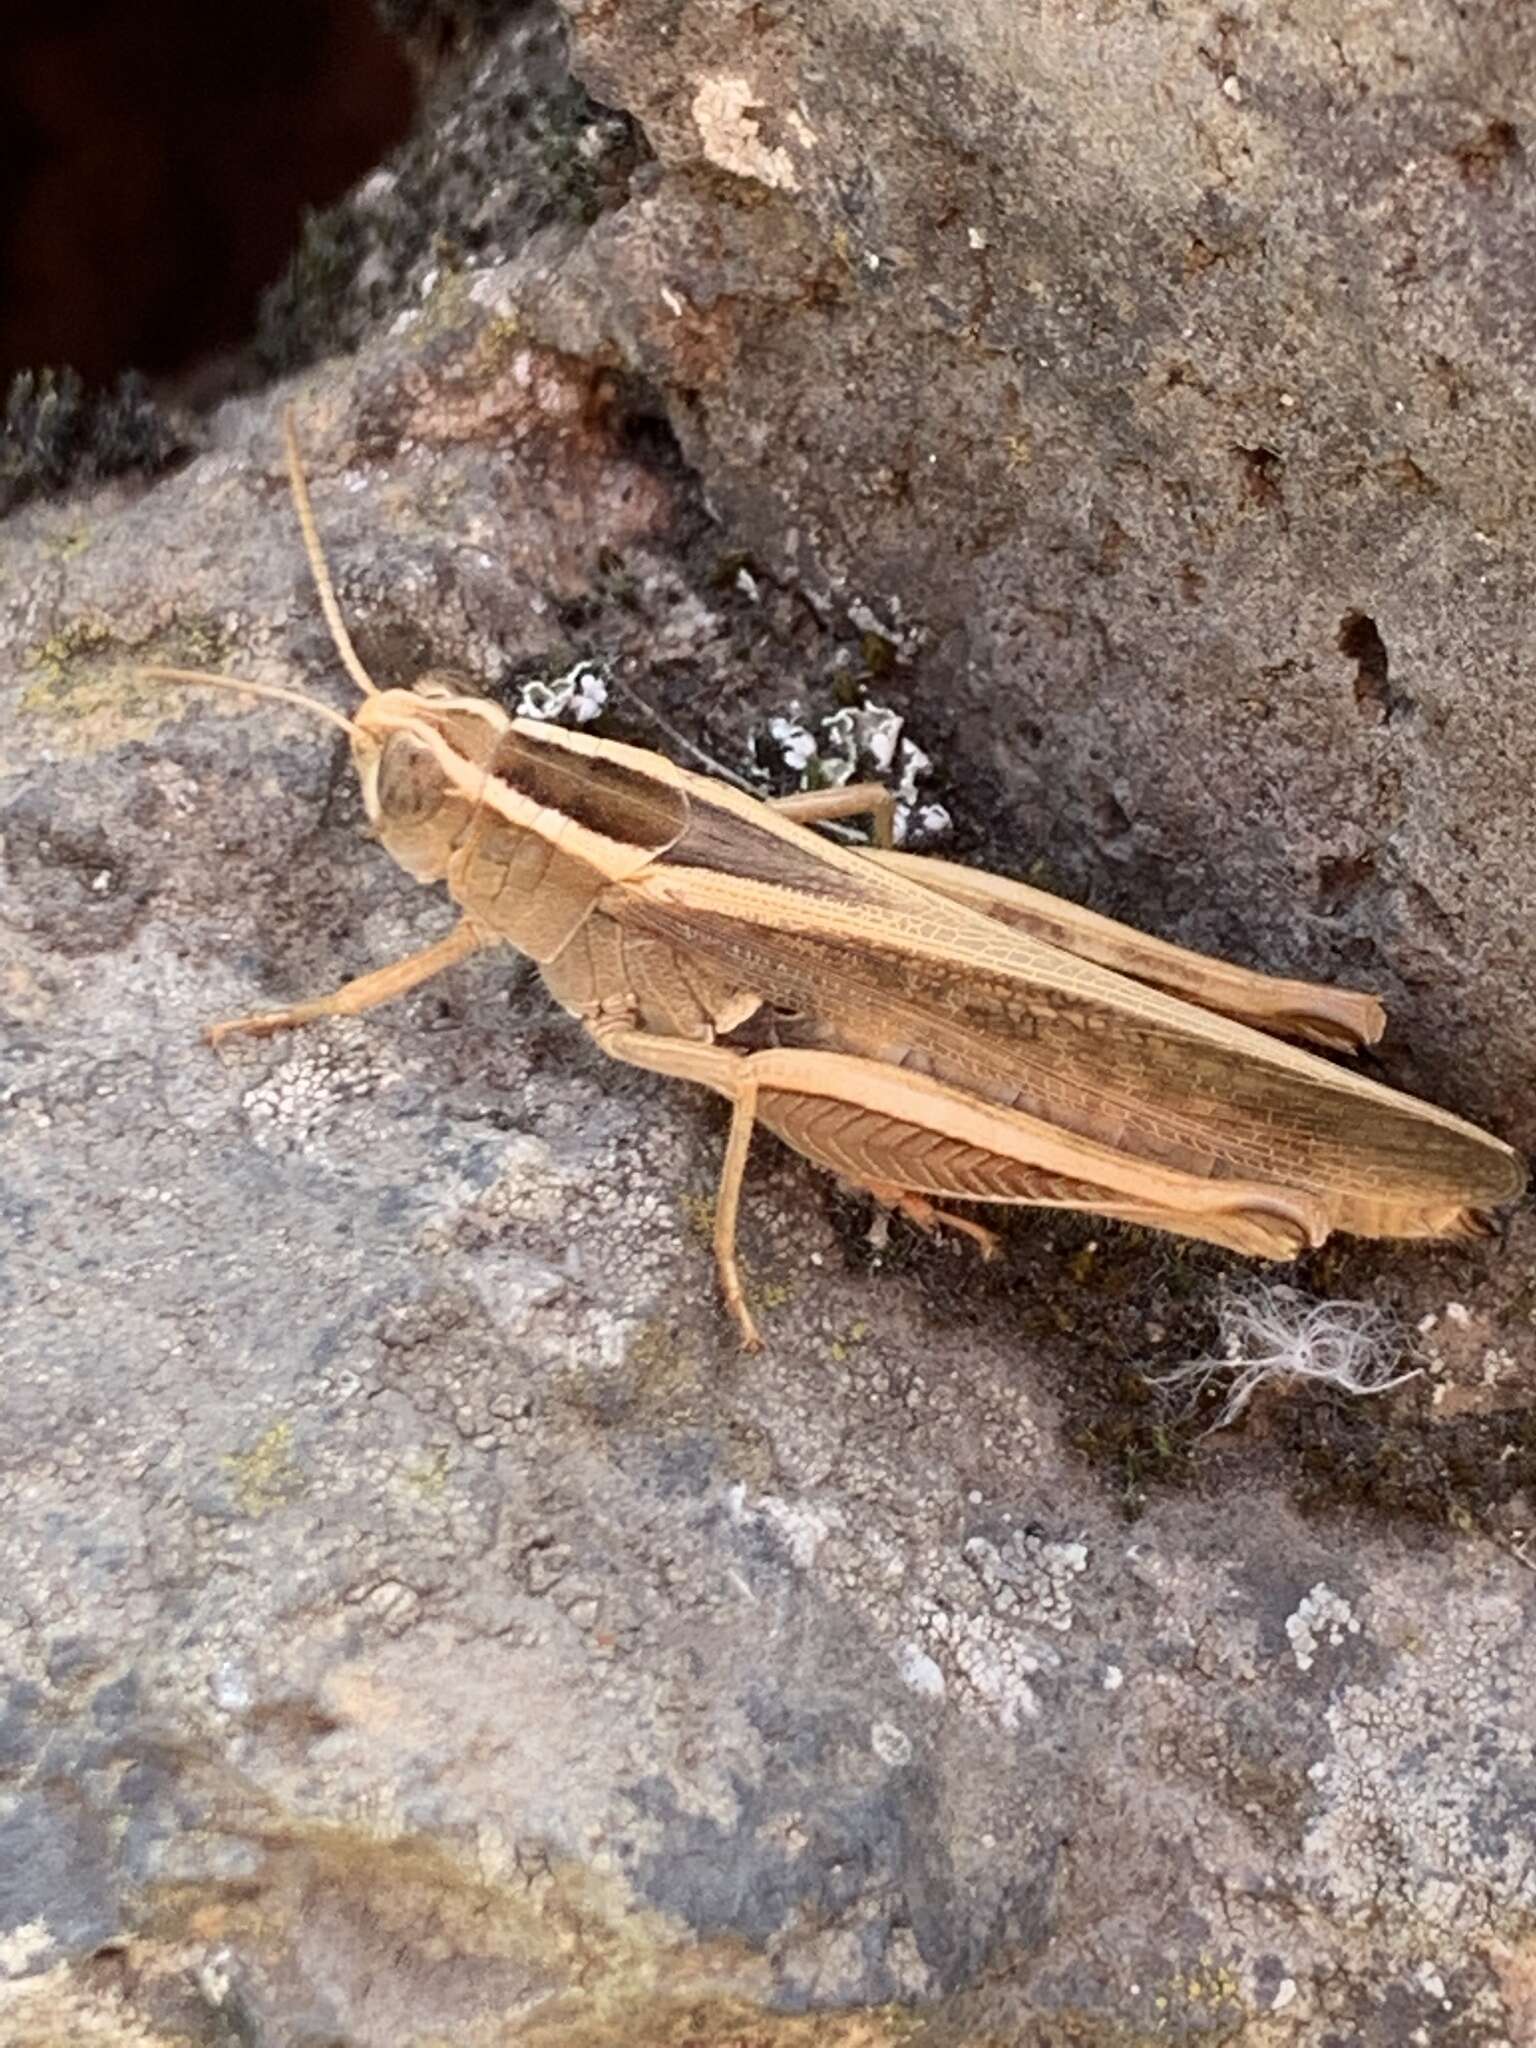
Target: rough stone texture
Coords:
[(1140, 354), (419, 1624)]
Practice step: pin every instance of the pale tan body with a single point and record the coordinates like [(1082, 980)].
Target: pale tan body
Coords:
[(951, 1035)]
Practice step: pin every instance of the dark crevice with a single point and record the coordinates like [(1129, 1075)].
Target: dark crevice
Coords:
[(1363, 644), (643, 429), (1341, 878), (1262, 474), (508, 143), (157, 159), (195, 217)]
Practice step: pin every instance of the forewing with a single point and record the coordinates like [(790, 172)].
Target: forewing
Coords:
[(874, 963)]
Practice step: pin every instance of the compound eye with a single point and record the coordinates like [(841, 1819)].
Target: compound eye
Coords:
[(410, 780)]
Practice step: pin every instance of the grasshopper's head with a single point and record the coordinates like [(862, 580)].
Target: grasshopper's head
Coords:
[(421, 757), (421, 754)]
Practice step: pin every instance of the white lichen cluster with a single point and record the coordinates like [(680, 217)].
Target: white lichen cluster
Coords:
[(1030, 1578), (1418, 1758), (863, 742), (574, 698), (920, 1671), (1322, 1616), (801, 1527), (992, 1662), (904, 637), (992, 1655), (290, 1104), (726, 112), (976, 1604), (1272, 1334), (1460, 1357)]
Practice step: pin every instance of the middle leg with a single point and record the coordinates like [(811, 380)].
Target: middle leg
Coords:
[(853, 800)]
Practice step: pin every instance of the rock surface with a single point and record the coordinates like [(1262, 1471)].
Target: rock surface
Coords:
[(419, 1623), (1170, 369)]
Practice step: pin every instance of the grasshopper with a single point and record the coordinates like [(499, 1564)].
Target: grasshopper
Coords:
[(927, 1032)]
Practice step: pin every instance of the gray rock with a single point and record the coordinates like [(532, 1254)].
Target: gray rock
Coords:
[(419, 1622), (1168, 374)]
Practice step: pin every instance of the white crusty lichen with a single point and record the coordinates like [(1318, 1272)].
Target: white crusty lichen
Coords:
[(574, 698), (995, 1653), (861, 742), (1322, 1616), (918, 1669), (1270, 1333), (1426, 1752), (993, 1662), (24, 1947), (288, 1106), (1029, 1578), (728, 112), (800, 1526)]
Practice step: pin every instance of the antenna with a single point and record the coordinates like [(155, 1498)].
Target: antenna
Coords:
[(204, 679), (324, 587)]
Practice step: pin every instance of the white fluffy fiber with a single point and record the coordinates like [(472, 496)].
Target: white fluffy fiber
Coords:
[(1269, 1332)]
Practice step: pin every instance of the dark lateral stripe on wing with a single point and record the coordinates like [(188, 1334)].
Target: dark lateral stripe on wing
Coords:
[(726, 844), (605, 796)]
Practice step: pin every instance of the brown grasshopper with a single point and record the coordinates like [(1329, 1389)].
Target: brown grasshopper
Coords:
[(924, 1031)]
